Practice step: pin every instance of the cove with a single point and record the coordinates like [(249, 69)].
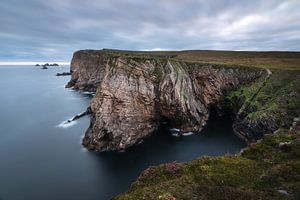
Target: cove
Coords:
[(41, 159)]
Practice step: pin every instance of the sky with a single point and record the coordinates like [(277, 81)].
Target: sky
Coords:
[(51, 30)]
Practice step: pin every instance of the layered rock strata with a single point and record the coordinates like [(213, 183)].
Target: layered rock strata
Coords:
[(135, 94)]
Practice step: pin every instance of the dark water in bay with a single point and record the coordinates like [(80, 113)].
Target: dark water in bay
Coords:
[(40, 159)]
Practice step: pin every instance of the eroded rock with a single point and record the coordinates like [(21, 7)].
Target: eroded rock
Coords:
[(135, 94)]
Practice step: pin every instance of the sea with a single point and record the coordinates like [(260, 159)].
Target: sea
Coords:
[(41, 157)]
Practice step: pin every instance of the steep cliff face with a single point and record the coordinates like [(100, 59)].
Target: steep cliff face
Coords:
[(135, 94), (86, 70), (124, 108)]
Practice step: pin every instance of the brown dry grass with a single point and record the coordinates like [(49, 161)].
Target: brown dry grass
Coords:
[(271, 59)]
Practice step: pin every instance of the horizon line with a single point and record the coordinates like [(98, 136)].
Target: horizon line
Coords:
[(32, 62)]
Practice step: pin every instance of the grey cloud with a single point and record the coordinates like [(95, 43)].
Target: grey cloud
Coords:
[(53, 29)]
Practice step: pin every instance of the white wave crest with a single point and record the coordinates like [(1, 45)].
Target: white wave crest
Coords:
[(187, 133), (66, 124)]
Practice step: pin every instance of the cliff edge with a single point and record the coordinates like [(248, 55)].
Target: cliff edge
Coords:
[(135, 93)]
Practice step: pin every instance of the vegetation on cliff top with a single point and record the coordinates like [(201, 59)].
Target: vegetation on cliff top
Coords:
[(275, 95), (272, 60), (269, 169)]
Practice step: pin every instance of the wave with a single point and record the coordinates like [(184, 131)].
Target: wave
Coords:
[(177, 133), (89, 93), (83, 149), (187, 133), (66, 124)]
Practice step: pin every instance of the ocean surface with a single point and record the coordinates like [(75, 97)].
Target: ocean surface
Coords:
[(41, 158)]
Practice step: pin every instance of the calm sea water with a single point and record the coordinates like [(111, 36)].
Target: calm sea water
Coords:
[(41, 159)]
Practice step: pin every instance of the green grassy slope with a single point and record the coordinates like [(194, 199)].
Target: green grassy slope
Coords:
[(267, 104), (263, 171), (279, 93)]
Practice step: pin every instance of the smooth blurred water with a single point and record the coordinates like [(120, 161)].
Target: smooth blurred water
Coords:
[(40, 159)]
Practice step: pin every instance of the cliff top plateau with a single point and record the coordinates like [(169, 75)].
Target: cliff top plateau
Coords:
[(265, 59)]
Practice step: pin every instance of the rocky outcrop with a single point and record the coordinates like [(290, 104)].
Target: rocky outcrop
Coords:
[(124, 108), (86, 70), (78, 116), (64, 74), (135, 94)]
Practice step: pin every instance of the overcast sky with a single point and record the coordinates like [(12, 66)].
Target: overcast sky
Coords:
[(52, 30)]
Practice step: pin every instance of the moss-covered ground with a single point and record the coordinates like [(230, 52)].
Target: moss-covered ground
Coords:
[(278, 94), (262, 171)]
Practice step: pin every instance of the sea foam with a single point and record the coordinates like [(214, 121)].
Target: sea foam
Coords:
[(66, 124)]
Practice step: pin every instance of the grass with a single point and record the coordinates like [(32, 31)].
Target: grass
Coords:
[(272, 59), (260, 172), (276, 95)]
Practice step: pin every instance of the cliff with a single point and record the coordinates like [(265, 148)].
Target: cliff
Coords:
[(267, 104), (86, 70), (136, 93)]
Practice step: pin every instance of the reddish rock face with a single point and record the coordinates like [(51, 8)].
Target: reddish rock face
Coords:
[(134, 94)]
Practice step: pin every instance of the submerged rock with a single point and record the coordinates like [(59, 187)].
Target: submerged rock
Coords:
[(64, 74), (80, 115)]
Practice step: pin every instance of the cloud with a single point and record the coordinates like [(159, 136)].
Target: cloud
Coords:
[(54, 29)]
